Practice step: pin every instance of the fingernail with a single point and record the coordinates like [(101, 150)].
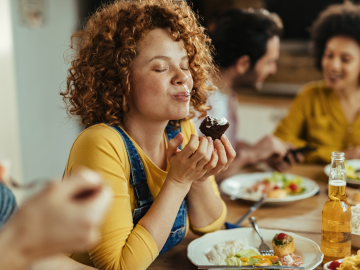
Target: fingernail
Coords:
[(217, 141), (209, 139), (224, 137)]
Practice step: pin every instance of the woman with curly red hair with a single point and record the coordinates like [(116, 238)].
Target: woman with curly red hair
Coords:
[(129, 82)]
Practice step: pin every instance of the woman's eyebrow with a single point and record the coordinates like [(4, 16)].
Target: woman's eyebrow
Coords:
[(163, 57)]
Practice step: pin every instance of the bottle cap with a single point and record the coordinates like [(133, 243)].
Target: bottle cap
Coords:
[(338, 155)]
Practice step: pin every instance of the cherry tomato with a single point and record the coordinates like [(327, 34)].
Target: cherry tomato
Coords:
[(293, 187), (334, 265), (281, 236), (276, 187)]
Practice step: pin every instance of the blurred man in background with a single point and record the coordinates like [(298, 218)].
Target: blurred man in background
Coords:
[(247, 46)]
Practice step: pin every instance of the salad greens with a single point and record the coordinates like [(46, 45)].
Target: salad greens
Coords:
[(351, 172), (246, 253), (251, 257), (293, 186)]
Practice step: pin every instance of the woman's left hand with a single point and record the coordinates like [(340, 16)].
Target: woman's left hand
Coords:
[(221, 158)]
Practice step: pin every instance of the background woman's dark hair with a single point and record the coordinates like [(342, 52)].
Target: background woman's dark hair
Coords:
[(336, 20), (243, 32)]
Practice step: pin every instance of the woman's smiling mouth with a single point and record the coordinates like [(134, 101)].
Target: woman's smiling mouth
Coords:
[(333, 78)]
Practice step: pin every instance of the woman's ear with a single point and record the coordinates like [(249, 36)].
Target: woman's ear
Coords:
[(243, 64)]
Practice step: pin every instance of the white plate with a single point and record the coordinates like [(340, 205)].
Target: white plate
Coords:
[(304, 247), (232, 185), (355, 163), (326, 266)]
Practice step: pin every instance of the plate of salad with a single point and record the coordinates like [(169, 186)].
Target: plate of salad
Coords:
[(352, 169), (238, 247), (279, 188)]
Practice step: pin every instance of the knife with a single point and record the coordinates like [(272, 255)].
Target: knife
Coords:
[(248, 267), (252, 209)]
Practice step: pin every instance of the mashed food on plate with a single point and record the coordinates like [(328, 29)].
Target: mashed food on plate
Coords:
[(218, 254), (355, 214)]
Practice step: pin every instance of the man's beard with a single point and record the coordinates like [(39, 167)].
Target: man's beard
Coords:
[(248, 80)]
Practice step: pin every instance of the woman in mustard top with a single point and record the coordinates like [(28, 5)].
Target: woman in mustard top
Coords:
[(130, 84), (326, 113)]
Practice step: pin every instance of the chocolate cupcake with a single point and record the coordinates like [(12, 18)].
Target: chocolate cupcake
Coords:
[(214, 127)]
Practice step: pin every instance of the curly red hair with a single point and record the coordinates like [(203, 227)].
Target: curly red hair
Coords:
[(98, 81)]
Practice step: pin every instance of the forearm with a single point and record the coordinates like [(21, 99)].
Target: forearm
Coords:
[(59, 262), (243, 157), (160, 218), (203, 205), (245, 154)]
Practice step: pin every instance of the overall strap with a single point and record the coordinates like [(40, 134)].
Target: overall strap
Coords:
[(137, 172), (138, 178), (172, 133)]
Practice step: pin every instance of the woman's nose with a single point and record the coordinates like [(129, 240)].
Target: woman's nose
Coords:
[(179, 78)]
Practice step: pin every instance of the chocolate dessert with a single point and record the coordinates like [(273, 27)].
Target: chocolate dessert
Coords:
[(214, 127)]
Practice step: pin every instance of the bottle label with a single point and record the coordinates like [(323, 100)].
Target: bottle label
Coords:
[(336, 237), (333, 252), (335, 224)]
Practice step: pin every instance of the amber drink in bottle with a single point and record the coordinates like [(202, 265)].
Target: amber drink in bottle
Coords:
[(336, 214)]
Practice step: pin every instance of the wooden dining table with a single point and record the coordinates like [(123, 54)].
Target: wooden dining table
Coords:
[(301, 217)]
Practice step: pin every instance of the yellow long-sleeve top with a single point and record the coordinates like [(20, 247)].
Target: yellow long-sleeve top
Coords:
[(316, 117), (124, 246)]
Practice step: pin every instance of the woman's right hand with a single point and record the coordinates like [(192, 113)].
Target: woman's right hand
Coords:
[(193, 161)]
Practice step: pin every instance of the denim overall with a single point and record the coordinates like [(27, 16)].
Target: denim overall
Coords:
[(7, 204), (142, 193)]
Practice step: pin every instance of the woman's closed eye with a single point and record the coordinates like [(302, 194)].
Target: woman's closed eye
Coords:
[(185, 67), (345, 59), (160, 68)]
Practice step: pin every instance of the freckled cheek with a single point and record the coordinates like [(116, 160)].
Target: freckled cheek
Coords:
[(352, 70), (155, 90)]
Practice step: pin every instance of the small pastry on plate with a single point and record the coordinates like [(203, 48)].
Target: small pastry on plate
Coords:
[(283, 244)]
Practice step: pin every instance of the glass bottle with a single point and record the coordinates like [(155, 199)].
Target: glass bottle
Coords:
[(336, 214)]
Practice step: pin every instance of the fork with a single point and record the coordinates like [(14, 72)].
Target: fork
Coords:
[(263, 248)]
